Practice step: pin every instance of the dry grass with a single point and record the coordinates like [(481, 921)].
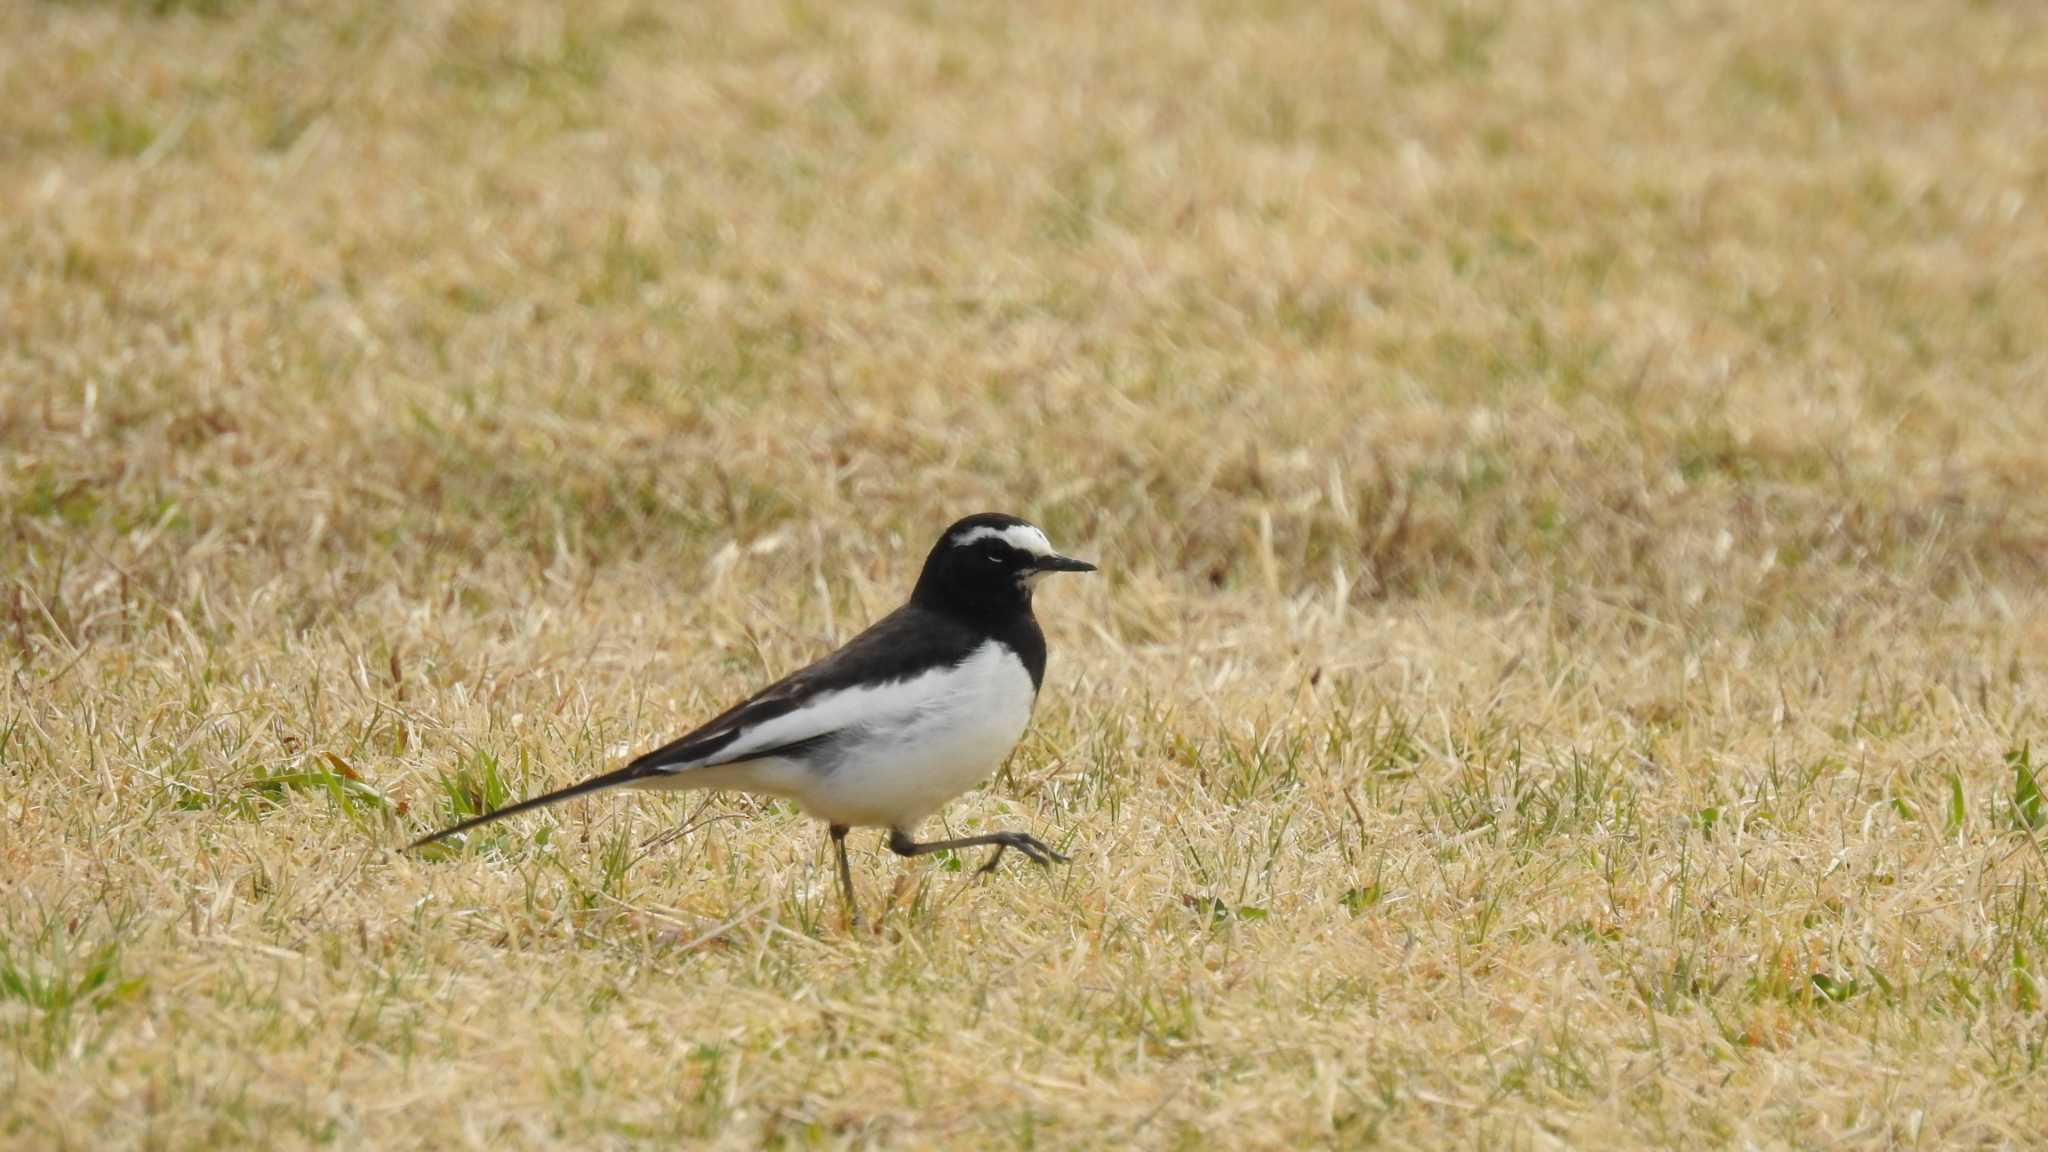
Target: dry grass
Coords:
[(1570, 479)]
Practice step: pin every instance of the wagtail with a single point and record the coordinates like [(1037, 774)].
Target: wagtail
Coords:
[(907, 715)]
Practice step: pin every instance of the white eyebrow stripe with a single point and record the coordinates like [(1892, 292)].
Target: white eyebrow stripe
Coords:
[(1022, 537)]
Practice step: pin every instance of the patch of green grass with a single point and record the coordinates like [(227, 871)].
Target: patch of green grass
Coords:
[(1459, 46), (476, 787), (1751, 79), (326, 775), (120, 131), (2028, 813), (60, 979)]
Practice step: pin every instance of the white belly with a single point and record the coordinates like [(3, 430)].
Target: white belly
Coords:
[(904, 764)]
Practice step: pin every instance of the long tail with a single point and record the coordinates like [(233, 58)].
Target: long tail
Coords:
[(626, 775)]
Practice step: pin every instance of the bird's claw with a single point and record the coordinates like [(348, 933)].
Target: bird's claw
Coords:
[(1031, 846)]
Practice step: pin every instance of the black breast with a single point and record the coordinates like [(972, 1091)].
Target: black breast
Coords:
[(1020, 634)]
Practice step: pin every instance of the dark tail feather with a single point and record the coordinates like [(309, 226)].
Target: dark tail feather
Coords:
[(626, 775)]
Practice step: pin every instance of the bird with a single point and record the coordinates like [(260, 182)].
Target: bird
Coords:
[(897, 722)]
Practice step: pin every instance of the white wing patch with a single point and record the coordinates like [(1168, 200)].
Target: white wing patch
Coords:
[(1022, 537), (898, 702)]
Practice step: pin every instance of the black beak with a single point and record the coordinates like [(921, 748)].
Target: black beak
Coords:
[(1061, 564)]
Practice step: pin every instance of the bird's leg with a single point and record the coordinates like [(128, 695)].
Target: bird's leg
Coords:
[(901, 844), (845, 875)]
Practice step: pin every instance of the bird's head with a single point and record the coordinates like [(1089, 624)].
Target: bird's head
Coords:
[(989, 562)]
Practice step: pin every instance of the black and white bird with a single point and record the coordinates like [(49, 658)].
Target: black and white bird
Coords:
[(883, 732)]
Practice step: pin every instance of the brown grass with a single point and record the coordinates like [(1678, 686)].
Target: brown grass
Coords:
[(1569, 479)]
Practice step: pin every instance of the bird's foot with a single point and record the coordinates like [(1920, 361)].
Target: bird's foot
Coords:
[(1031, 846)]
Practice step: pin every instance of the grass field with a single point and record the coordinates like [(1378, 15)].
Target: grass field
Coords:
[(1570, 482)]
